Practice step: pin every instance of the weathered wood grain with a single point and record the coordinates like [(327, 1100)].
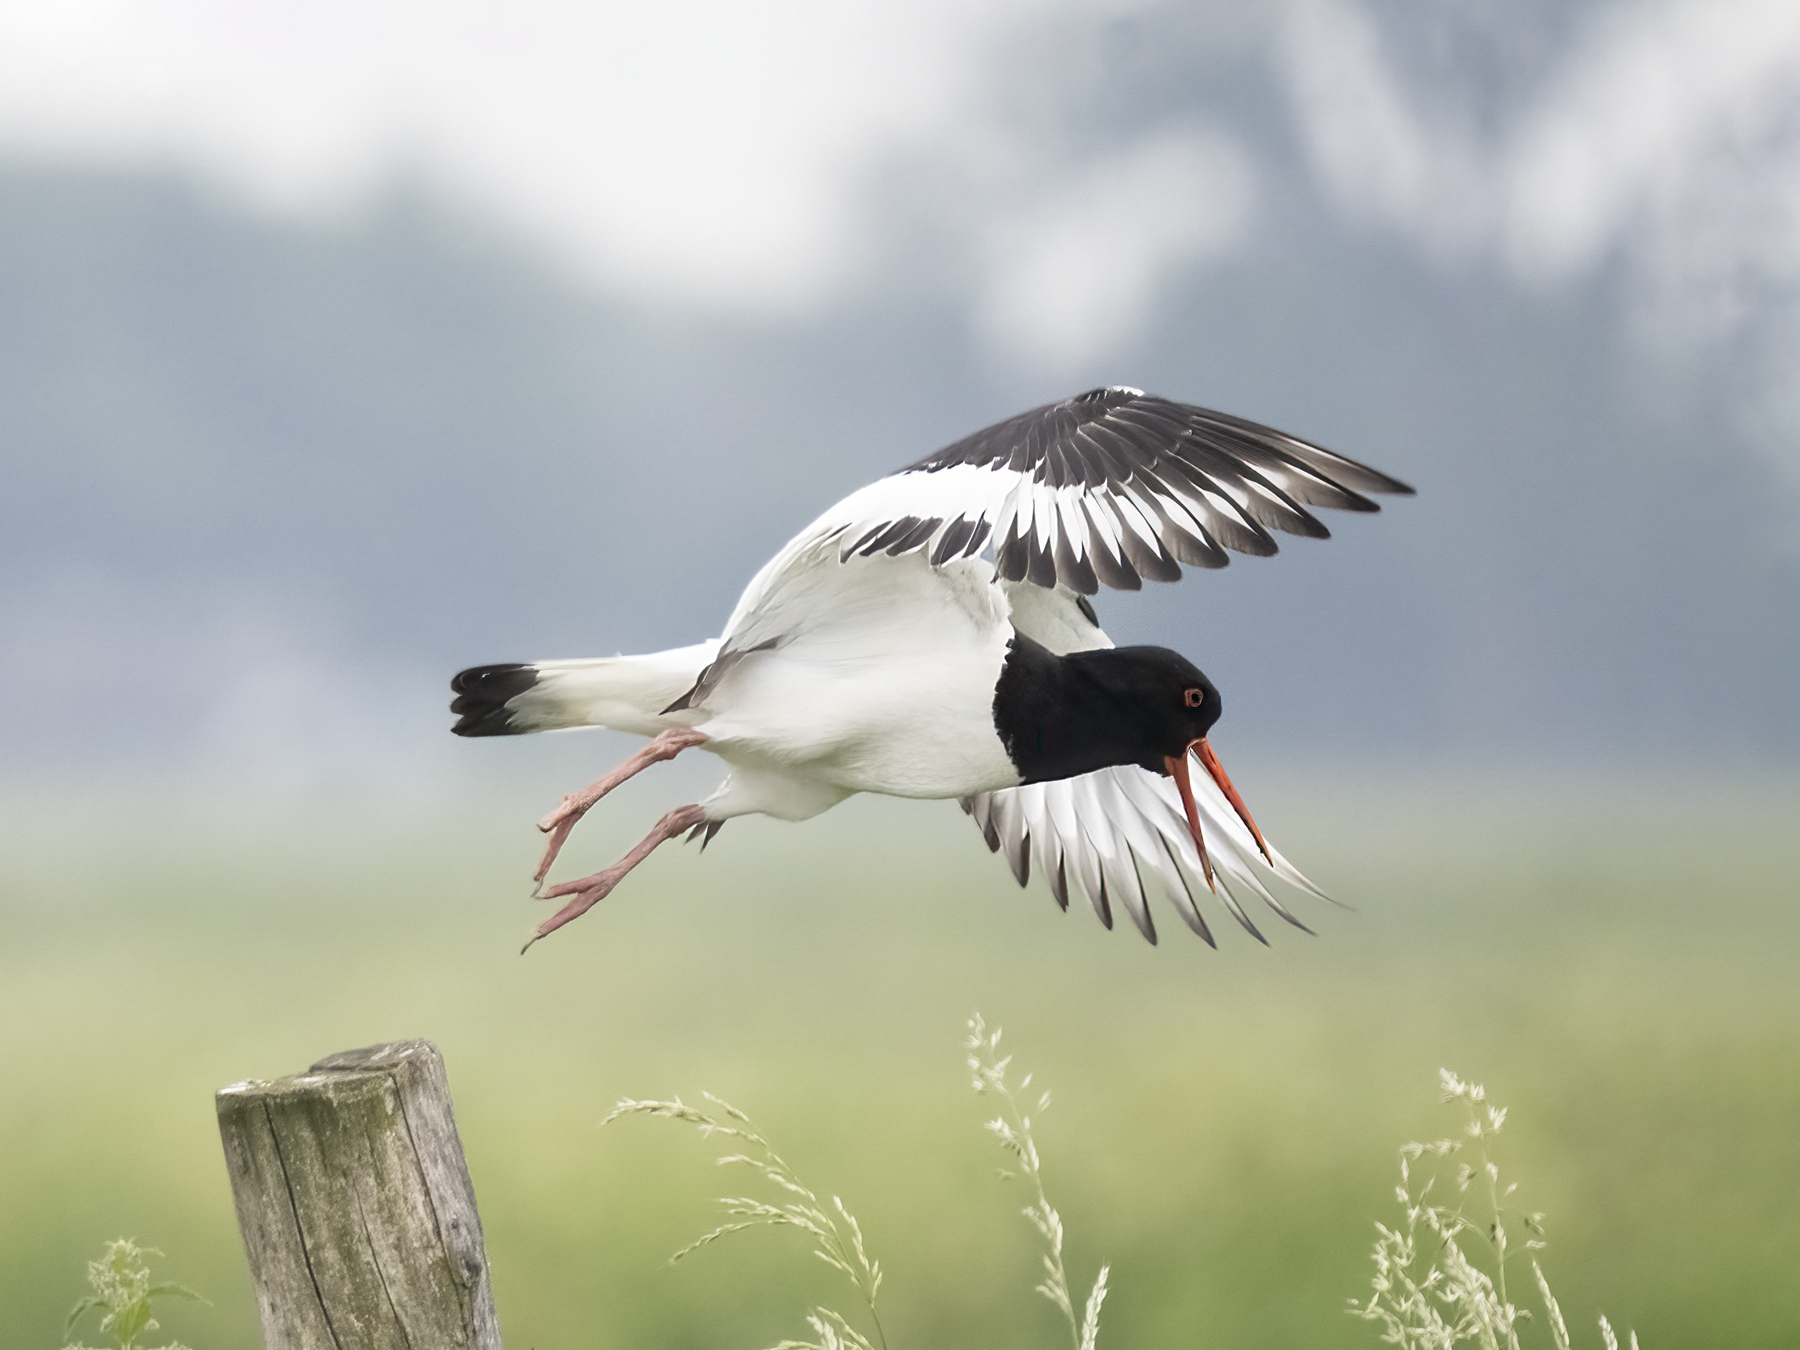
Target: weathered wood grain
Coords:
[(356, 1207)]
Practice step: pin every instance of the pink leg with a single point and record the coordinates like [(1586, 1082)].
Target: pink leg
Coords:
[(590, 891), (561, 821)]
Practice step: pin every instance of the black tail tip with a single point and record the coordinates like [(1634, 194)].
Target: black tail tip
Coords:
[(482, 693)]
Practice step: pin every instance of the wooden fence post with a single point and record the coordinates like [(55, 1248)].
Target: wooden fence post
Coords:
[(356, 1207)]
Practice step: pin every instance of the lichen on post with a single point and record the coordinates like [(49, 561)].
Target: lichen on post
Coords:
[(356, 1207)]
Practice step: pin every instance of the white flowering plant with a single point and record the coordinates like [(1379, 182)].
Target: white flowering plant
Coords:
[(124, 1295)]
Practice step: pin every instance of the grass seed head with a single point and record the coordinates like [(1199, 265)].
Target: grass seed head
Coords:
[(1435, 1295)]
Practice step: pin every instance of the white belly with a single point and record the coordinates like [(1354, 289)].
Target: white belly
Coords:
[(891, 691)]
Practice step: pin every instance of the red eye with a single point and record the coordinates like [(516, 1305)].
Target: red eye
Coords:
[(1194, 698)]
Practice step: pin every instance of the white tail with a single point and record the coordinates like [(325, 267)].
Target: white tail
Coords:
[(626, 693)]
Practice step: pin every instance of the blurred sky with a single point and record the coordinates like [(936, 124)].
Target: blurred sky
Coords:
[(710, 154), (351, 342)]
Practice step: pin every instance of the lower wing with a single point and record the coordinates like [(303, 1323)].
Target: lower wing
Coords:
[(1114, 834)]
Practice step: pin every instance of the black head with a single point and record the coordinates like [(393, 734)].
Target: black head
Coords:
[(1060, 716), (1155, 701)]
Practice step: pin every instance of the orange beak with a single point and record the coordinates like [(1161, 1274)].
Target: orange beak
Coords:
[(1178, 770)]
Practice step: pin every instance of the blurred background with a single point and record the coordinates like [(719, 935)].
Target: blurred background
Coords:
[(344, 345)]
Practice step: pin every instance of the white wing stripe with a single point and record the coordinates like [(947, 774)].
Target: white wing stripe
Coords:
[(1100, 523), (1134, 517), (1113, 470), (1043, 510), (1122, 879), (1104, 833)]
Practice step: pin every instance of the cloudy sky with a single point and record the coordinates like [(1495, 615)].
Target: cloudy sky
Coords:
[(713, 154), (1545, 255)]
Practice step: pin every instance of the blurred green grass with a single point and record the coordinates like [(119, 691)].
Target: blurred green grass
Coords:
[(1618, 966)]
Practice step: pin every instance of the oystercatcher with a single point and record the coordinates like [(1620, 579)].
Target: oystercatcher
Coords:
[(931, 636)]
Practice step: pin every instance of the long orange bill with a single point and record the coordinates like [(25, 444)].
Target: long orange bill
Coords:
[(1217, 770), (1178, 770)]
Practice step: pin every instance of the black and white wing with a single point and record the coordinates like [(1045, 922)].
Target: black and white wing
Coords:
[(1117, 835), (1110, 486)]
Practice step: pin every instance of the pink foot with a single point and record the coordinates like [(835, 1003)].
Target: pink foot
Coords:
[(590, 891), (562, 820)]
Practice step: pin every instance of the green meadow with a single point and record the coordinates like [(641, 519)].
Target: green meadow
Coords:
[(1620, 967)]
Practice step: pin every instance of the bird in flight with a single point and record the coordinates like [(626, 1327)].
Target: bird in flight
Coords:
[(931, 636)]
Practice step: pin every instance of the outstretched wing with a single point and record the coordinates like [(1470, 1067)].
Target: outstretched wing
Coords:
[(1111, 486), (1116, 835)]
